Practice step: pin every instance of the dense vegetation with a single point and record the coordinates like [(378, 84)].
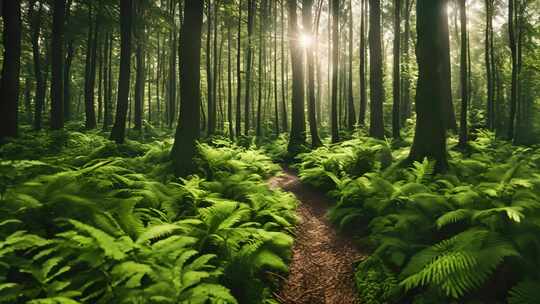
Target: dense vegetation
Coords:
[(99, 223), (471, 233), (137, 138)]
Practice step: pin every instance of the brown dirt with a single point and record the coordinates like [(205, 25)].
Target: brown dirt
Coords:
[(321, 270)]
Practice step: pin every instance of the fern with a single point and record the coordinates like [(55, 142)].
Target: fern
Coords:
[(525, 292), (457, 265)]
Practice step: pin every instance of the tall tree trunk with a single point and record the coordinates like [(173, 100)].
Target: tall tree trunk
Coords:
[(213, 111), (262, 46), (90, 76), (396, 88), (307, 15), (351, 112), (489, 73), (209, 71), (188, 127), (107, 116), (140, 76), (514, 85), (463, 131), (70, 50), (247, 113), (9, 84), (335, 70), (363, 85), (284, 86), (238, 117), (57, 69), (35, 28), (119, 129), (376, 128), (444, 38), (229, 84), (298, 128), (430, 132), (276, 104), (406, 74)]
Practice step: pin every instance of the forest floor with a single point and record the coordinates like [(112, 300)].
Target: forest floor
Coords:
[(321, 271)]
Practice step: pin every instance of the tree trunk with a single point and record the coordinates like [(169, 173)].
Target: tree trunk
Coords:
[(229, 83), (351, 112), (213, 111), (363, 86), (335, 70), (139, 78), (489, 73), (430, 133), (188, 127), (90, 75), (447, 85), (107, 115), (298, 128), (238, 117), (406, 75), (396, 79), (376, 128), (276, 104), (9, 85), (119, 129), (70, 49), (35, 29), (307, 15), (514, 88), (463, 131), (262, 46), (284, 86), (251, 17), (57, 70)]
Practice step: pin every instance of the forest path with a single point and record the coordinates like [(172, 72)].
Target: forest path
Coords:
[(321, 270)]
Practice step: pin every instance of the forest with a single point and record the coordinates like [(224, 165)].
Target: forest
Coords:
[(270, 151)]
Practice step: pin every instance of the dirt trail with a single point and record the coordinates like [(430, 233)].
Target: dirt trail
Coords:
[(321, 270)]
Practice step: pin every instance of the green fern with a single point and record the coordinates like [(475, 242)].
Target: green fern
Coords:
[(525, 292), (457, 265)]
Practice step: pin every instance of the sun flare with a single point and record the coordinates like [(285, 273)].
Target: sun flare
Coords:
[(306, 41)]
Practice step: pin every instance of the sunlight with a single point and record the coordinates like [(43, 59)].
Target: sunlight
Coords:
[(306, 40)]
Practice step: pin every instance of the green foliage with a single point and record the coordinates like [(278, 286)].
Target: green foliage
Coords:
[(100, 223), (445, 237)]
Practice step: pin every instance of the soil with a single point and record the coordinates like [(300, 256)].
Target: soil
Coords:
[(321, 270)]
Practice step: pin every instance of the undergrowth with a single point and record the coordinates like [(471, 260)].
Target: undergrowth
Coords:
[(83, 220), (470, 235)]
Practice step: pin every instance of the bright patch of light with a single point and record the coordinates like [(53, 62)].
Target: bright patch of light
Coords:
[(306, 40)]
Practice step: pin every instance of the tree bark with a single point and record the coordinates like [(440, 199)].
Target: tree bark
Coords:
[(35, 29), (119, 128), (57, 69), (351, 114), (298, 127), (376, 128), (363, 86), (238, 125), (251, 17), (140, 76), (463, 131), (335, 70), (430, 133), (188, 127), (284, 85), (90, 75), (396, 80), (514, 84), (9, 85), (307, 9), (405, 109)]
